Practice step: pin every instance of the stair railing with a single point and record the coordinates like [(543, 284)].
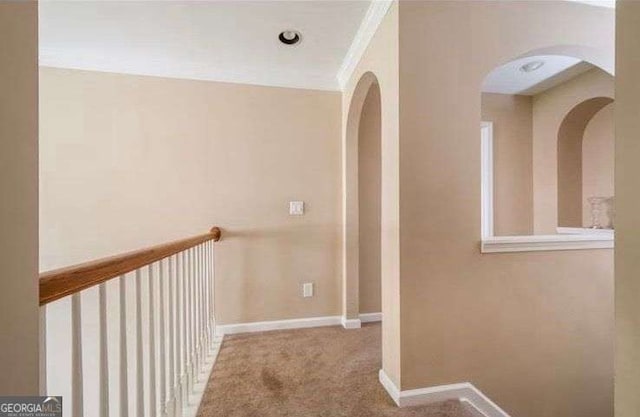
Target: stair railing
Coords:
[(176, 320)]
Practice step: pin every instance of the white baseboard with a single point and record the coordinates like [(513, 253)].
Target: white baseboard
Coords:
[(370, 317), (464, 392), (388, 385), (351, 323), (263, 326)]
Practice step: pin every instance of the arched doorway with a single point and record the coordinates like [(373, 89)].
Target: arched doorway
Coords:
[(369, 187), (362, 202), (574, 165)]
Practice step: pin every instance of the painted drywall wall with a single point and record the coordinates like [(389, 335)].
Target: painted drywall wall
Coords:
[(627, 155), (369, 202), (549, 112), (19, 207), (512, 120), (533, 331), (379, 62), (598, 163), (131, 161)]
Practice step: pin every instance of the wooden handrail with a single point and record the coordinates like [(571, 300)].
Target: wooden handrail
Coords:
[(66, 281)]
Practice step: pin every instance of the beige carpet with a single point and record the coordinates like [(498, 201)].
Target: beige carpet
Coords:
[(321, 372)]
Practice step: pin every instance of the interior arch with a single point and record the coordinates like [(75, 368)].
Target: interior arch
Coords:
[(570, 170), (594, 56), (529, 185), (351, 300)]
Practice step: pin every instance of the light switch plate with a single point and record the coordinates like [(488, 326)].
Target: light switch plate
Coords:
[(307, 289), (296, 208)]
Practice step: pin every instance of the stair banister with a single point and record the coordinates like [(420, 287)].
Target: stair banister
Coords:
[(178, 325)]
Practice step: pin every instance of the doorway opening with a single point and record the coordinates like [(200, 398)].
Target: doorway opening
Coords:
[(362, 205), (369, 193)]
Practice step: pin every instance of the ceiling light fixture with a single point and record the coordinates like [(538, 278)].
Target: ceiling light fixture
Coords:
[(531, 66), (289, 37)]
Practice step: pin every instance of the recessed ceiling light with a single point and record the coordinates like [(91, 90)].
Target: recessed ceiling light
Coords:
[(289, 37), (531, 66)]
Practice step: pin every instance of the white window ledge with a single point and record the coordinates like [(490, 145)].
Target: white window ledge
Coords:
[(547, 242)]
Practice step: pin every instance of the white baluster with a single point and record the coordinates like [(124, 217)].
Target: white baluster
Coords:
[(76, 355), (196, 295), (192, 321), (205, 294), (203, 307), (194, 311), (180, 332), (187, 325), (199, 305), (198, 310), (163, 364), (196, 330), (172, 341), (185, 331), (103, 354), (124, 385), (208, 291), (212, 289), (203, 303), (139, 363), (152, 344)]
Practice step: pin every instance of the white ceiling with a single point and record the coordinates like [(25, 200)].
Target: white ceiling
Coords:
[(233, 41), (510, 79), (236, 41)]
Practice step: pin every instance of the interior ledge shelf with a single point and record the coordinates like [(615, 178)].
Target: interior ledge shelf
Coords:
[(532, 243)]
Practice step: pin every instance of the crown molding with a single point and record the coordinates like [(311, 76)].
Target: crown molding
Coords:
[(372, 19)]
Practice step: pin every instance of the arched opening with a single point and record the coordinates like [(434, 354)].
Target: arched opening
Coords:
[(585, 164), (369, 187), (537, 108), (362, 176)]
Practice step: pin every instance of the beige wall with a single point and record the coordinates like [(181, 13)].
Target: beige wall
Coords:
[(369, 202), (533, 331), (130, 161), (18, 210), (598, 161), (511, 116), (549, 121), (380, 61), (627, 154)]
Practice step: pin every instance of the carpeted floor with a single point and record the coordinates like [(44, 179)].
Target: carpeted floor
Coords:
[(321, 372)]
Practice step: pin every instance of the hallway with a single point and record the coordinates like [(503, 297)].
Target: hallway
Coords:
[(201, 200), (325, 371)]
